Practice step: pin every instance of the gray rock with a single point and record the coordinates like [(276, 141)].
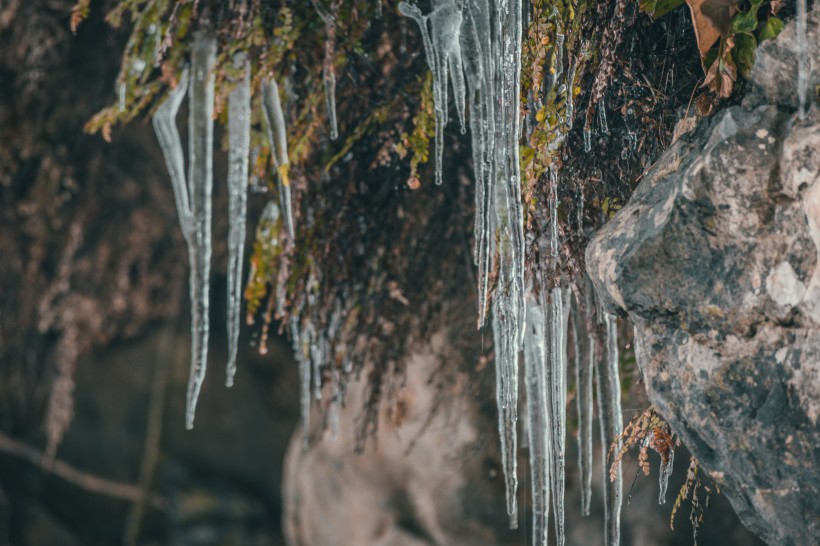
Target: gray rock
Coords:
[(715, 261), (776, 62)]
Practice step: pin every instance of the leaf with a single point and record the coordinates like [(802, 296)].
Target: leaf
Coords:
[(745, 21), (659, 8), (744, 53), (722, 73), (711, 20), (770, 29)]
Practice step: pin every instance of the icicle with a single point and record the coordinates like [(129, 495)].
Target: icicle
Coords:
[(200, 186), (304, 377), (239, 140), (556, 369), (168, 136), (609, 411), (506, 392), (478, 69), (443, 51), (277, 136), (665, 472), (328, 70), (802, 59), (194, 198), (587, 139), (538, 419), (169, 141), (584, 363), (490, 57), (509, 216), (121, 96), (602, 123), (573, 70)]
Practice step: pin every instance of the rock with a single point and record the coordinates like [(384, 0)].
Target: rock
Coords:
[(433, 477), (776, 62), (715, 260)]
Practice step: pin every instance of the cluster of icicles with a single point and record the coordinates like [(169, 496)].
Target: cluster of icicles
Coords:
[(475, 46), (193, 196)]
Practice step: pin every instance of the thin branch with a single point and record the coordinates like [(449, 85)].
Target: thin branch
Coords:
[(89, 482)]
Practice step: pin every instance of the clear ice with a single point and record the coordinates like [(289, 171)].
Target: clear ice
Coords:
[(278, 138), (664, 473), (538, 421), (609, 416), (584, 364), (328, 70), (239, 141), (440, 31), (194, 198)]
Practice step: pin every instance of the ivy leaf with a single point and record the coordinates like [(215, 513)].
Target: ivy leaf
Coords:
[(744, 53), (659, 8), (745, 21), (770, 29)]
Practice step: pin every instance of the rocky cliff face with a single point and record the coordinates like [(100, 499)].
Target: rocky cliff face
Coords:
[(715, 260)]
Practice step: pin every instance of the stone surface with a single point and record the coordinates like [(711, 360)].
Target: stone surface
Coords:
[(715, 261)]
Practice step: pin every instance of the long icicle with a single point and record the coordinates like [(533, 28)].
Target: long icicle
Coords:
[(609, 416), (556, 366), (584, 363), (509, 295), (278, 138), (328, 70), (200, 187), (538, 419), (239, 141)]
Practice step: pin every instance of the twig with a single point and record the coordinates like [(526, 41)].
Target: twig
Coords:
[(89, 482), (153, 435)]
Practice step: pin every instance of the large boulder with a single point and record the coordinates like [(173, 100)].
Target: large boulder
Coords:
[(715, 262)]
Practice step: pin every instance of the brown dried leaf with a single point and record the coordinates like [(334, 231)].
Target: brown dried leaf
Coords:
[(711, 19)]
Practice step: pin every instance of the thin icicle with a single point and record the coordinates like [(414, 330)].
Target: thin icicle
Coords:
[(487, 48), (165, 128), (239, 140), (506, 371), (802, 59), (328, 69), (556, 368), (665, 472), (478, 68), (440, 31), (587, 139), (556, 382), (538, 419), (303, 358), (584, 363), (200, 187), (121, 96), (278, 138), (609, 416), (603, 126)]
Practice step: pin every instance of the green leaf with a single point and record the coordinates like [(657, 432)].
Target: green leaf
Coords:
[(659, 8), (745, 21), (744, 53), (770, 29)]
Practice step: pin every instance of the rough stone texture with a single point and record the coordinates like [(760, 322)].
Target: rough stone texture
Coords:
[(715, 261)]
